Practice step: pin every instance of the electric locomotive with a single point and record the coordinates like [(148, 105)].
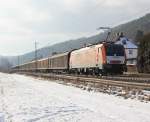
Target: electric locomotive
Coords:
[(98, 59)]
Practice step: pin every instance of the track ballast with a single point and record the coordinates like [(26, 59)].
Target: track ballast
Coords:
[(120, 81)]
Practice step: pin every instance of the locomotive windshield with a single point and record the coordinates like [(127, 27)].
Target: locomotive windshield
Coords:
[(114, 50)]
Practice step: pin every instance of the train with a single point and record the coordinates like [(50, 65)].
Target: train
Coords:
[(98, 59)]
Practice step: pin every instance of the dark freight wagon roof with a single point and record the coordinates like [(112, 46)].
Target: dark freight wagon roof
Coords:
[(58, 55)]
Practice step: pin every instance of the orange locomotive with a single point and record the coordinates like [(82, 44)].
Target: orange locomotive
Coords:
[(98, 59)]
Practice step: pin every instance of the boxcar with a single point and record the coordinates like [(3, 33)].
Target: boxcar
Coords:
[(39, 65), (59, 62), (42, 65), (28, 66)]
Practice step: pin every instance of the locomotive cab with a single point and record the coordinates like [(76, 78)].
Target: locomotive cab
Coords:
[(115, 58)]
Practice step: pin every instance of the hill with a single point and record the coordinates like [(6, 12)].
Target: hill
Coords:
[(130, 29), (5, 65)]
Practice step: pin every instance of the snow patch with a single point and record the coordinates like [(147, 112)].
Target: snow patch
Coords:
[(26, 99), (1, 117)]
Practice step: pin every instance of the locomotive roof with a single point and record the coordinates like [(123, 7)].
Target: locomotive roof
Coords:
[(85, 48)]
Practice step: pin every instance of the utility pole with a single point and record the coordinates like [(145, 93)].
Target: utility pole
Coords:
[(18, 62), (35, 56)]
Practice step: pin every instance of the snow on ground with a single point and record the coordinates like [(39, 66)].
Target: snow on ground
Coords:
[(26, 99)]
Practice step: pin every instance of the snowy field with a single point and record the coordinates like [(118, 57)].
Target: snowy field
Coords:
[(26, 99)]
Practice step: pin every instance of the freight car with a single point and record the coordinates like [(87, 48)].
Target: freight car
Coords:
[(96, 59), (42, 65), (56, 63), (59, 62), (30, 66)]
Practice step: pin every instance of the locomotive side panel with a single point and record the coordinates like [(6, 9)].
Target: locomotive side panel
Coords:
[(88, 57)]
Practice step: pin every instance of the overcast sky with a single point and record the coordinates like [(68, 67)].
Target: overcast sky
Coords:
[(52, 21)]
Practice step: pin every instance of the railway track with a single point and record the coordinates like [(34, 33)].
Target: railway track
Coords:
[(128, 79), (107, 81)]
